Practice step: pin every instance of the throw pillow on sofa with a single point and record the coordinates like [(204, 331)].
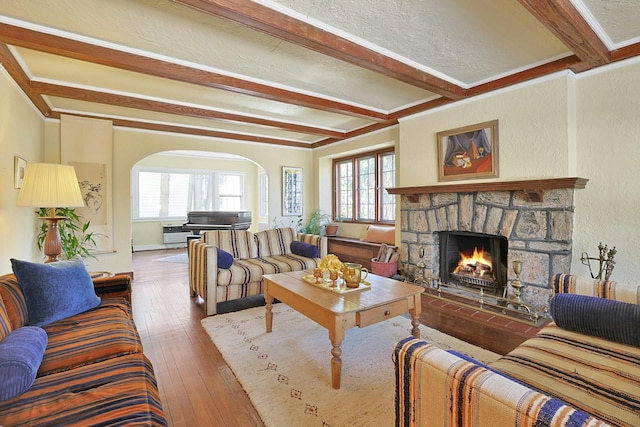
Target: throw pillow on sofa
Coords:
[(56, 290), (612, 320), (225, 259), (20, 357), (304, 249)]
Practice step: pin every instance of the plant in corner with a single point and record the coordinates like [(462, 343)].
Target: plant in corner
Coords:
[(76, 240)]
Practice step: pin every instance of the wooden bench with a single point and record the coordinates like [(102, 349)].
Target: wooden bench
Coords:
[(353, 250)]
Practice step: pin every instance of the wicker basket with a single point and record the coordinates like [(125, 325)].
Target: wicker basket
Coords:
[(384, 269)]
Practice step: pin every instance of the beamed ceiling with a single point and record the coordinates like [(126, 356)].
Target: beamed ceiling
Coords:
[(301, 73)]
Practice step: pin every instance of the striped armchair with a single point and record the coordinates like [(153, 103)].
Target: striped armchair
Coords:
[(559, 377), (254, 254)]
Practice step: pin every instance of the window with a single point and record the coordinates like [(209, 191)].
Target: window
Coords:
[(359, 187), (169, 194), (264, 194)]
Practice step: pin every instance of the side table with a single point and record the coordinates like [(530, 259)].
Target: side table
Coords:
[(112, 285)]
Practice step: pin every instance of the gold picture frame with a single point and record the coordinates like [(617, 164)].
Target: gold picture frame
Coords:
[(469, 152)]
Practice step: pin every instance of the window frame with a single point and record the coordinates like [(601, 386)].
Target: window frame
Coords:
[(377, 155), (135, 188)]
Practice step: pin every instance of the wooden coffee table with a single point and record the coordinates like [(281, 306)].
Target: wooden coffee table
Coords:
[(337, 312)]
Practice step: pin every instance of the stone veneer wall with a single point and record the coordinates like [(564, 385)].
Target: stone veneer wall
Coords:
[(540, 233)]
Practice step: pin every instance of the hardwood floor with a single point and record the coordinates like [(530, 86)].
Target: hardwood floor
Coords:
[(196, 385)]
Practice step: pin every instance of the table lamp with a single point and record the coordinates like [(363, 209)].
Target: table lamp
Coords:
[(50, 186)]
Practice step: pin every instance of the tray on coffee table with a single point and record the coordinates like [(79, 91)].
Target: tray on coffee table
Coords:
[(340, 288)]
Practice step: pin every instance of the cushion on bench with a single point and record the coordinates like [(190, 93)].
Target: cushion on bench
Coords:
[(380, 234)]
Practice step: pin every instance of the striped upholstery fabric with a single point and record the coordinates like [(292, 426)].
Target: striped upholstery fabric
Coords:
[(107, 331), (594, 374), (118, 391), (5, 322), (275, 241), (244, 277), (437, 388), (14, 301), (239, 243), (231, 292), (567, 283), (251, 270), (321, 243)]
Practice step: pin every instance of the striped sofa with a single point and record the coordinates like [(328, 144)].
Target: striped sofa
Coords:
[(254, 254), (93, 371), (559, 377)]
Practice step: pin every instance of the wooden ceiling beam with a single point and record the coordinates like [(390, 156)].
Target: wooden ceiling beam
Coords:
[(530, 74), (565, 22), (22, 80), (276, 24), (186, 130), (48, 43), (129, 101)]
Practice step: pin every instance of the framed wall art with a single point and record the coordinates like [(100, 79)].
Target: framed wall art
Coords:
[(469, 152), (19, 165), (291, 191)]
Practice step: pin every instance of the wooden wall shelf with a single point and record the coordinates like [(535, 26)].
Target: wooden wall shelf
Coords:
[(532, 188)]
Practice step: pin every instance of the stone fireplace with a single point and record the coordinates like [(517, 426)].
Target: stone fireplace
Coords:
[(535, 218)]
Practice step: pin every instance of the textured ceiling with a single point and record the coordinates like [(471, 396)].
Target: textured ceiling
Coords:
[(294, 72)]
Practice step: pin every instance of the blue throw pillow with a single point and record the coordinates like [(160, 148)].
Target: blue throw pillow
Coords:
[(609, 319), (20, 357), (304, 249), (56, 290), (225, 259)]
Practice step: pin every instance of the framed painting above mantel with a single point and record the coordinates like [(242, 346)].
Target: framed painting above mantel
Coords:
[(469, 152)]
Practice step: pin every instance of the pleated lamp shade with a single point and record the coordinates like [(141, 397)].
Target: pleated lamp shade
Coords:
[(49, 185)]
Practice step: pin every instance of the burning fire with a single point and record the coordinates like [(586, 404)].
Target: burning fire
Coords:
[(478, 263)]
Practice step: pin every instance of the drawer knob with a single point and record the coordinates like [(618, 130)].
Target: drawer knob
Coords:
[(387, 312)]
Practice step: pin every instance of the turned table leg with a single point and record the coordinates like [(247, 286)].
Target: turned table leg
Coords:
[(268, 314)]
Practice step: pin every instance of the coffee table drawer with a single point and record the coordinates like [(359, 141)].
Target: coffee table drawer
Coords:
[(379, 314)]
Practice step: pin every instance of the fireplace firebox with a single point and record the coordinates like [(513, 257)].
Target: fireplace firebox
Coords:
[(474, 260)]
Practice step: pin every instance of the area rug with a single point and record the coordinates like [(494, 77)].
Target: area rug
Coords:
[(287, 373), (182, 258)]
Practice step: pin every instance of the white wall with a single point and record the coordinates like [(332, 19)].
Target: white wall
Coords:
[(21, 134), (533, 132), (608, 148)]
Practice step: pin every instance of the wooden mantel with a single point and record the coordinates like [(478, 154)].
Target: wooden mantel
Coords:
[(532, 188)]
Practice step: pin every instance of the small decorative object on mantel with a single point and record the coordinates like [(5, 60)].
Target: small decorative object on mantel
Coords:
[(605, 260)]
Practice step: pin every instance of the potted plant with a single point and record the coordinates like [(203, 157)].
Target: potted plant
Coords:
[(76, 240), (317, 222)]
